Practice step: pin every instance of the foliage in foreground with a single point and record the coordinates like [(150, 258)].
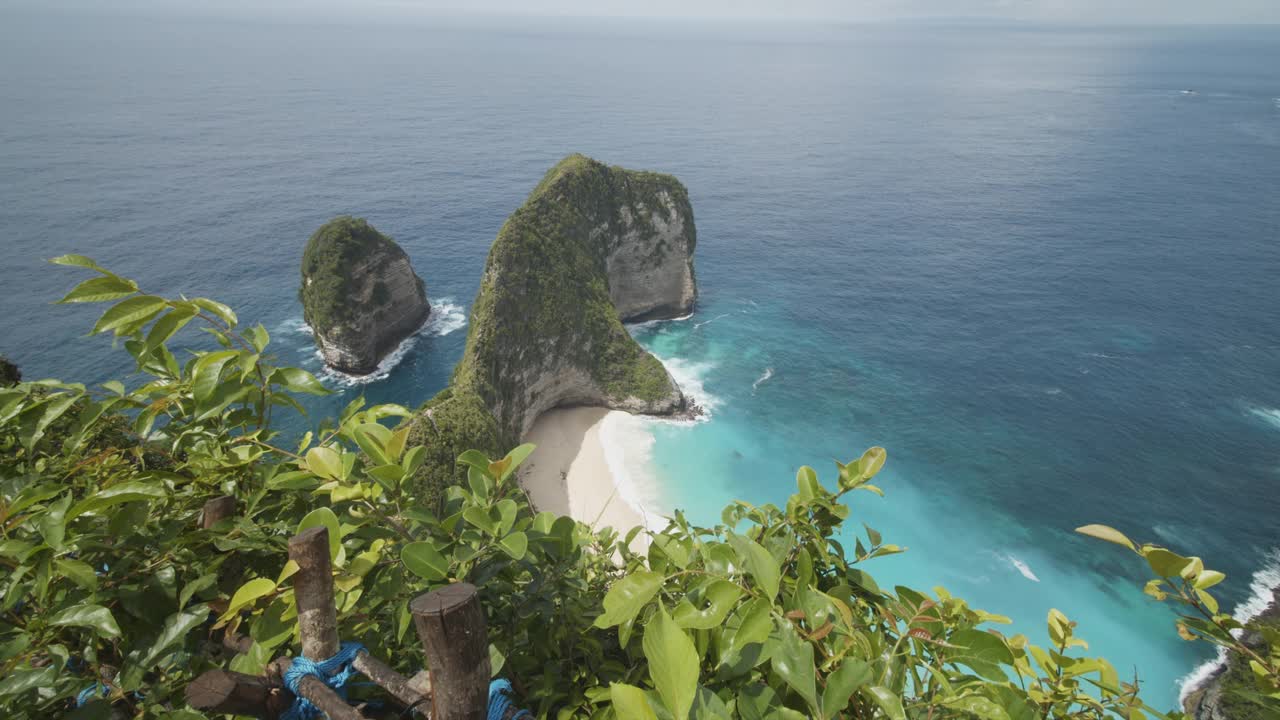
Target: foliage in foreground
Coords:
[(112, 593)]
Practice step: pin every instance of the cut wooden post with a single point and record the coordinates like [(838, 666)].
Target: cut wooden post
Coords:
[(313, 590), (222, 692), (451, 625), (391, 681), (217, 509)]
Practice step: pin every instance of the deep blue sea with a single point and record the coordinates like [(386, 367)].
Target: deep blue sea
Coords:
[(1038, 264)]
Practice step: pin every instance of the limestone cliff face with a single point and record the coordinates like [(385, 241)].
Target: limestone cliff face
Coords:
[(359, 294), (592, 246), (649, 260)]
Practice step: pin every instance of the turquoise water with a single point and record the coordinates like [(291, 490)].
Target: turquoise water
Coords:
[(1037, 264)]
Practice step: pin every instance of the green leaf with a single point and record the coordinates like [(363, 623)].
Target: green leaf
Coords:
[(629, 702), (978, 705), (324, 517), (475, 459), (889, 703), (761, 702), (763, 568), (515, 545), (117, 494), (207, 372), (673, 663), (52, 523), (100, 289), (981, 651), (373, 439), (325, 462), (1111, 535), (249, 592), (713, 604), (515, 458), (90, 616), (129, 312), (299, 380), (753, 625), (174, 633), (807, 483), (223, 312), (77, 261), (79, 572), (482, 519), (1165, 563), (425, 561), (21, 681), (842, 684), (794, 664), (1208, 579), (871, 462), (627, 597), (165, 327)]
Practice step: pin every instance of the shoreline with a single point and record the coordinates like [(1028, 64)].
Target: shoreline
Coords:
[(581, 469)]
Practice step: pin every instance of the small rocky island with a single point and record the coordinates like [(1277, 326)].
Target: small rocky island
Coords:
[(591, 247), (359, 294)]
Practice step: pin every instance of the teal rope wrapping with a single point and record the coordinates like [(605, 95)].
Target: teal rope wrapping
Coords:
[(334, 672), (500, 703)]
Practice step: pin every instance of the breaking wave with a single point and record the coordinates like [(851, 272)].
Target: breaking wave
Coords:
[(1261, 591), (691, 377), (1021, 567), (1271, 416), (768, 373), (446, 317)]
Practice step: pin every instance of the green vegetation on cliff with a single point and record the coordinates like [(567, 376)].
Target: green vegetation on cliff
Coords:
[(544, 299), (327, 284), (544, 308), (115, 597)]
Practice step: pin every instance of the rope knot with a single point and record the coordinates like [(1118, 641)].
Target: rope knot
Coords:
[(335, 672)]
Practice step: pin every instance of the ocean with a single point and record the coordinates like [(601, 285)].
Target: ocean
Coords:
[(1037, 264)]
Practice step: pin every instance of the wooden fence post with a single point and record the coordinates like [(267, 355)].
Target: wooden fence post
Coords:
[(451, 625), (313, 590)]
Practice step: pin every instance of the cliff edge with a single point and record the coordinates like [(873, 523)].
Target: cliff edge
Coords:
[(592, 246), (359, 294), (1224, 694)]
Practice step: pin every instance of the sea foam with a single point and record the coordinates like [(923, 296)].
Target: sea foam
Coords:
[(628, 453), (1271, 416), (446, 317), (768, 373), (1261, 592)]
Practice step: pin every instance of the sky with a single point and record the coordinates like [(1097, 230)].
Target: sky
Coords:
[(1076, 11)]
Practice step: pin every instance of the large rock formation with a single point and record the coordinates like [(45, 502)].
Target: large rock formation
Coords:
[(359, 294), (9, 373), (1219, 696), (592, 246)]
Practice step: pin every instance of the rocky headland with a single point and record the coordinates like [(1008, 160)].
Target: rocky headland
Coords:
[(359, 294), (592, 246)]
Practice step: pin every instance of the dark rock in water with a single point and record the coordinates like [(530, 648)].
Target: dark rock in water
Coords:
[(1217, 697), (359, 294), (9, 373)]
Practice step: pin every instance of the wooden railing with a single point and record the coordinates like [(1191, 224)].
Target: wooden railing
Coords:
[(449, 622)]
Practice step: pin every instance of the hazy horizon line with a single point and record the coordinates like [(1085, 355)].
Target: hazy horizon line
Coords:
[(386, 12)]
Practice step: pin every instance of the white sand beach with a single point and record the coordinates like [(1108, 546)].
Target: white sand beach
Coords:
[(569, 473)]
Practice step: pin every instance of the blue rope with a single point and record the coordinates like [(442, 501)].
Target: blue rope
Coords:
[(87, 694), (334, 672), (500, 694)]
